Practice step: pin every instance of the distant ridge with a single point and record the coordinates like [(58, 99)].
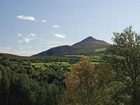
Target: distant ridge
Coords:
[(84, 47), (7, 55)]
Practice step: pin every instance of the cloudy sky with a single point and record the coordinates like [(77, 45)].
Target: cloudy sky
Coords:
[(31, 26)]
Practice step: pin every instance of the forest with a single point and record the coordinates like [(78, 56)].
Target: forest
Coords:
[(113, 80)]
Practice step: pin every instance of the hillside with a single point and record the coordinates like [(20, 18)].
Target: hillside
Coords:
[(88, 46), (6, 55)]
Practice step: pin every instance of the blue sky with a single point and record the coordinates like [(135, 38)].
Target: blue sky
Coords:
[(31, 26)]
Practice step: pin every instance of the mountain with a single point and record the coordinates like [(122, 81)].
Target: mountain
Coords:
[(61, 50), (84, 47), (90, 42), (6, 55)]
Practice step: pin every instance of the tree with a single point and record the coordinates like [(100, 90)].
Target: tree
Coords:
[(88, 84), (124, 57), (5, 81)]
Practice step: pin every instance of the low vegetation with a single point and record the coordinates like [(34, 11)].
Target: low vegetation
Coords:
[(100, 50)]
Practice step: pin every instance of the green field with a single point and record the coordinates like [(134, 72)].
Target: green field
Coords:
[(50, 63), (95, 62), (75, 56), (100, 50)]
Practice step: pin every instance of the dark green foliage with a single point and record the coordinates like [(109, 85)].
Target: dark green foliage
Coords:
[(124, 57), (22, 84)]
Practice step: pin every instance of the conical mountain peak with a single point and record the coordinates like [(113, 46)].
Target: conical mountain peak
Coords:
[(89, 42), (89, 39)]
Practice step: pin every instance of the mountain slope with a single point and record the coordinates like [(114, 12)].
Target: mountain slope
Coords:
[(61, 50), (89, 45), (84, 47)]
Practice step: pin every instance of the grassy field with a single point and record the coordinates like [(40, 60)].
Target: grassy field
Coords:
[(75, 56), (95, 62), (100, 50), (50, 63)]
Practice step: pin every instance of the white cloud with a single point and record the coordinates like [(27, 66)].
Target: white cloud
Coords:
[(26, 38), (32, 34), (30, 18), (60, 36), (43, 21), (26, 18), (19, 35), (55, 26)]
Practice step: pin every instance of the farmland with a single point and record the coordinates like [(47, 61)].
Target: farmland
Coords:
[(41, 65)]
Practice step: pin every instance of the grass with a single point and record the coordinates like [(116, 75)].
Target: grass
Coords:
[(50, 63), (94, 62), (63, 63), (100, 50), (38, 64), (75, 56)]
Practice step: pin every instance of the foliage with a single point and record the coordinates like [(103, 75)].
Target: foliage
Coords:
[(22, 84), (88, 84), (124, 57)]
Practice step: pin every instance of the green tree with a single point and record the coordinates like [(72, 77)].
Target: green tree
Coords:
[(124, 57), (5, 81), (88, 84)]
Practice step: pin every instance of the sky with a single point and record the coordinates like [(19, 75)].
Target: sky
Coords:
[(28, 27)]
